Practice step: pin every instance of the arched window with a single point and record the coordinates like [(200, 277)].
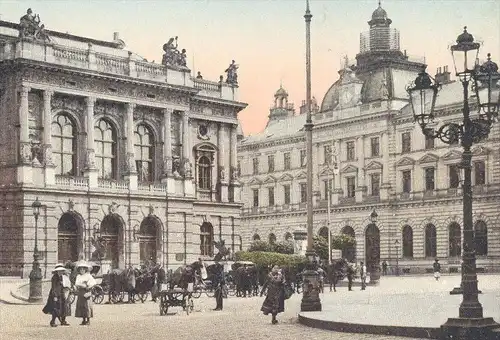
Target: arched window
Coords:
[(112, 232), (288, 237), (149, 240), (272, 238), (144, 153), (105, 149), (256, 237), (481, 238), (206, 239), (407, 241), (64, 145), (430, 241), (455, 239), (67, 238), (204, 173), (323, 232)]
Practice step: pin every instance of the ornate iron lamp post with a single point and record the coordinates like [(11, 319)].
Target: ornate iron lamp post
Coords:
[(36, 271), (396, 243), (374, 254), (310, 298), (470, 324)]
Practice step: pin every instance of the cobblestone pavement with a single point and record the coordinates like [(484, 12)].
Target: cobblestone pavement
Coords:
[(240, 320)]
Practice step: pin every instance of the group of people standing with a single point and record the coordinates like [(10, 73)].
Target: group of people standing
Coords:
[(58, 303)]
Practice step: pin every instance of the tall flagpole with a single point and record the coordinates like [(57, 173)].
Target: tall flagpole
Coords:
[(310, 298)]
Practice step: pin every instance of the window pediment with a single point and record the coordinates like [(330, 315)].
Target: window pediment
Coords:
[(254, 181), (452, 156), (480, 151), (286, 178), (301, 175), (429, 158), (270, 180), (326, 172), (405, 161), (349, 169), (374, 166)]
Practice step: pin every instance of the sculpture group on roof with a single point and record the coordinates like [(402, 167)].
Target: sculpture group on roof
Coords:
[(232, 75), (172, 56), (29, 27)]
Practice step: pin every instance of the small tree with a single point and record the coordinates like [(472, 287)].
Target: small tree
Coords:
[(340, 242), (285, 247), (259, 245)]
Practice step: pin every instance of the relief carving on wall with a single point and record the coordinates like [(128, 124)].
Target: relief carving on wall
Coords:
[(72, 104), (109, 109)]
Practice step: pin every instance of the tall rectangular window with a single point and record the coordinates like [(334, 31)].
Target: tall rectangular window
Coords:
[(351, 154), (351, 186), (327, 187), (479, 173), (270, 163), (327, 152), (303, 158), (454, 175), (303, 193), (255, 166), (429, 143), (407, 181), (375, 183), (375, 146), (286, 161), (429, 179), (286, 192), (255, 197), (406, 142), (270, 194)]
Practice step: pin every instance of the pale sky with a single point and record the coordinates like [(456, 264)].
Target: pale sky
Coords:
[(267, 37)]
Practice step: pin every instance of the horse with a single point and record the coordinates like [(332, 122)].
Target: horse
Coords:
[(336, 272), (122, 280), (183, 276)]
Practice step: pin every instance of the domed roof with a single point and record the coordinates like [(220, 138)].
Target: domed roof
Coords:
[(379, 14), (281, 92)]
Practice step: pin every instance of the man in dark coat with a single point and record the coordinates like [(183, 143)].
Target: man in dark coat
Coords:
[(218, 282), (350, 276), (437, 269)]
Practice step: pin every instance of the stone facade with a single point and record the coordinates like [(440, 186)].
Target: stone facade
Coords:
[(136, 155), (376, 158)]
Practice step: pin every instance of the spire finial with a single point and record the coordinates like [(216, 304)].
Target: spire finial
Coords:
[(379, 3), (307, 6)]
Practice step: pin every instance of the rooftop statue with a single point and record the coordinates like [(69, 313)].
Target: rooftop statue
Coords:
[(232, 76), (30, 27), (172, 56)]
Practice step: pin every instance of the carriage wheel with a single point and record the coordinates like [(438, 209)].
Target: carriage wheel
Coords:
[(210, 292), (142, 296), (196, 293), (163, 306), (231, 290), (98, 298)]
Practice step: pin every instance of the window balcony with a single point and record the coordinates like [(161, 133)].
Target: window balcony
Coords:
[(72, 182), (112, 184), (152, 187)]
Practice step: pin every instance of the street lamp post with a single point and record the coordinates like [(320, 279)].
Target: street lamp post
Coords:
[(470, 324), (374, 254), (36, 272), (329, 199), (310, 298), (397, 257)]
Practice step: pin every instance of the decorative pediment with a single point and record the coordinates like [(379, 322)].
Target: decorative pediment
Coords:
[(254, 181), (452, 155), (374, 166), (480, 151), (286, 177), (270, 180), (405, 161), (326, 172), (349, 168), (301, 175), (429, 158)]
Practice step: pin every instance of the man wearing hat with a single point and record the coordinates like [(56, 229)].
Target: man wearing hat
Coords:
[(219, 283), (437, 269), (57, 302)]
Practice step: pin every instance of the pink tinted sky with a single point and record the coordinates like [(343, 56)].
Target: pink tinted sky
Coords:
[(267, 37)]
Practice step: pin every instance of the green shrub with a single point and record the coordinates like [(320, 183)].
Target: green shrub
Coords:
[(264, 258), (340, 242), (260, 246)]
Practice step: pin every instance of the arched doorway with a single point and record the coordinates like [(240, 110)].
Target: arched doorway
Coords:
[(69, 236), (112, 232), (372, 247), (349, 252), (149, 239)]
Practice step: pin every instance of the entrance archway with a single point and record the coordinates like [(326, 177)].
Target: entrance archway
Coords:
[(69, 237), (112, 227), (372, 247), (349, 253), (149, 239)]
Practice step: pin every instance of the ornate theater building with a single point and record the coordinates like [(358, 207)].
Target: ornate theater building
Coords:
[(369, 155), (131, 160)]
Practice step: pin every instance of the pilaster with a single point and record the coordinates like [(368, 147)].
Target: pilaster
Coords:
[(131, 171), (235, 186), (222, 177), (386, 185), (24, 171), (90, 170), (167, 144), (47, 138)]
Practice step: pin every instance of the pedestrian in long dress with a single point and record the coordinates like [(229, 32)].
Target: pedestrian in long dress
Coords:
[(437, 269), (57, 302), (84, 283), (275, 298)]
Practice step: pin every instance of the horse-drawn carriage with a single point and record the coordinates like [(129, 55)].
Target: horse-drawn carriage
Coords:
[(176, 297)]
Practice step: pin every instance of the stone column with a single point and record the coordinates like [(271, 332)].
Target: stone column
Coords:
[(384, 188), (167, 142), (131, 171), (361, 189), (90, 168), (47, 138), (187, 170), (222, 180), (337, 190), (24, 173), (235, 187)]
